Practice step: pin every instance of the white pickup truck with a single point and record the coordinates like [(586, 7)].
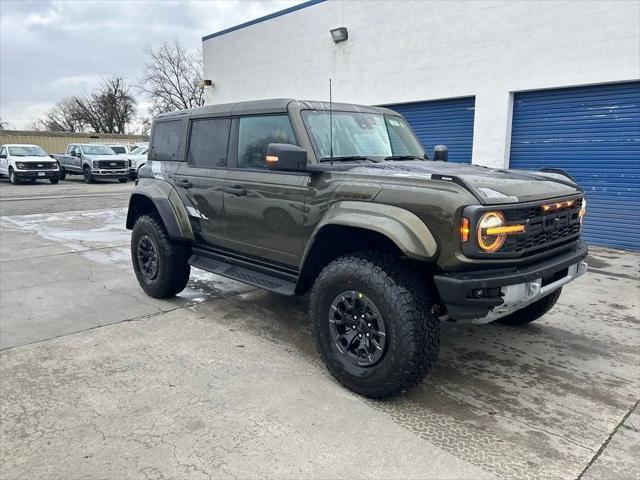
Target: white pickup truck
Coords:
[(93, 162), (27, 162)]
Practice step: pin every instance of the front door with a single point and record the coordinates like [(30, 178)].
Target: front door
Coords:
[(4, 160), (75, 159), (264, 210), (200, 180)]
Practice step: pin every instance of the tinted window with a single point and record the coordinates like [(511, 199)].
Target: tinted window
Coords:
[(166, 140), (256, 133), (119, 149), (208, 142)]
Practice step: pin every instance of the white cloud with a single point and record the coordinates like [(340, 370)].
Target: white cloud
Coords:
[(54, 48)]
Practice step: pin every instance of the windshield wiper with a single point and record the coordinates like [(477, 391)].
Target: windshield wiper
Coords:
[(346, 158), (403, 157)]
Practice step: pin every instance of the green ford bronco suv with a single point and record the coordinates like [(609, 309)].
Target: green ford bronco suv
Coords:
[(341, 201)]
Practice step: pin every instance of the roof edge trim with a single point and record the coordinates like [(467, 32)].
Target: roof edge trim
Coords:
[(300, 6)]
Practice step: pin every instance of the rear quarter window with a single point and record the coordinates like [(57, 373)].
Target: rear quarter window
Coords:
[(166, 141)]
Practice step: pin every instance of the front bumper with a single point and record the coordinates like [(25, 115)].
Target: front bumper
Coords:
[(486, 295), (37, 174), (105, 173)]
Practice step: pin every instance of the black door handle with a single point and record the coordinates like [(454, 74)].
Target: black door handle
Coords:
[(185, 184), (236, 190)]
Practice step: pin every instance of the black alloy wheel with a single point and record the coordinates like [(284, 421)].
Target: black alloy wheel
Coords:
[(357, 328), (148, 258)]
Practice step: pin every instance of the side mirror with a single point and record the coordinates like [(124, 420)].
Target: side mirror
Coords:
[(286, 157), (3, 155), (441, 153)]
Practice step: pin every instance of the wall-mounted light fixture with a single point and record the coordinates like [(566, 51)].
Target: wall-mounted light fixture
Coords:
[(205, 83), (339, 34)]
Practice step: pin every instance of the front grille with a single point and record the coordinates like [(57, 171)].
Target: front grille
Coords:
[(40, 165), (111, 163), (543, 230)]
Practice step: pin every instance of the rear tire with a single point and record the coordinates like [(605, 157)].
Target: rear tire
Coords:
[(531, 312), (161, 265), (88, 176), (369, 286)]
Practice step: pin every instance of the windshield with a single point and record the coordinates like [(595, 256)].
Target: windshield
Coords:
[(139, 151), (97, 150), (27, 151), (361, 134)]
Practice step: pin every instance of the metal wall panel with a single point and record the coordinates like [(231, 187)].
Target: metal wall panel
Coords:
[(593, 133), (56, 142), (448, 122)]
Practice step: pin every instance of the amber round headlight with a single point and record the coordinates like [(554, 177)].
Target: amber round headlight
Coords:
[(490, 242)]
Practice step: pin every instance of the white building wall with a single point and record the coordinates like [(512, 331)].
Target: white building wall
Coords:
[(406, 51)]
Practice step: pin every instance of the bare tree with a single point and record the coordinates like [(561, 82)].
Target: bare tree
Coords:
[(109, 109), (64, 117), (172, 78)]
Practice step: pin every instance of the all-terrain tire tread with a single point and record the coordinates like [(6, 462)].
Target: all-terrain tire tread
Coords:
[(174, 256), (420, 333)]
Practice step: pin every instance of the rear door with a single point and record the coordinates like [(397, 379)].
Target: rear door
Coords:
[(264, 209), (200, 179)]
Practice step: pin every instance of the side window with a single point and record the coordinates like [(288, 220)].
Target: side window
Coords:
[(256, 133), (3, 151), (208, 142), (166, 140)]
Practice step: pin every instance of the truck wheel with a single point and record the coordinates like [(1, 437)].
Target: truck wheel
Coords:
[(373, 324), (63, 173), (12, 177), (531, 312), (161, 264), (122, 180), (88, 176), (54, 180)]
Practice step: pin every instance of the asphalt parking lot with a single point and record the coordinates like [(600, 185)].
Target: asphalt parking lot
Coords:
[(97, 380)]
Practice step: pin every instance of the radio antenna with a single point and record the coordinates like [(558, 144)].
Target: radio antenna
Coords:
[(330, 124)]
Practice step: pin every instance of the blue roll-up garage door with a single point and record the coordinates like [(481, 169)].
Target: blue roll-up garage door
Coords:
[(446, 122), (594, 134)]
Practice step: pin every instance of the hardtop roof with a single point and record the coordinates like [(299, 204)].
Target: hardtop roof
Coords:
[(275, 105)]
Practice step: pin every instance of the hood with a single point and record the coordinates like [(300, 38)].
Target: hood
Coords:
[(490, 185), (113, 158), (32, 158)]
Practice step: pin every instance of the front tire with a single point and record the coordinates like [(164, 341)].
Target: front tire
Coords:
[(531, 312), (54, 180), (63, 173), (375, 294), (88, 176), (122, 180), (12, 177), (161, 265)]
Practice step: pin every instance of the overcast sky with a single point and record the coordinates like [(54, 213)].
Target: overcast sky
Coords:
[(50, 48)]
